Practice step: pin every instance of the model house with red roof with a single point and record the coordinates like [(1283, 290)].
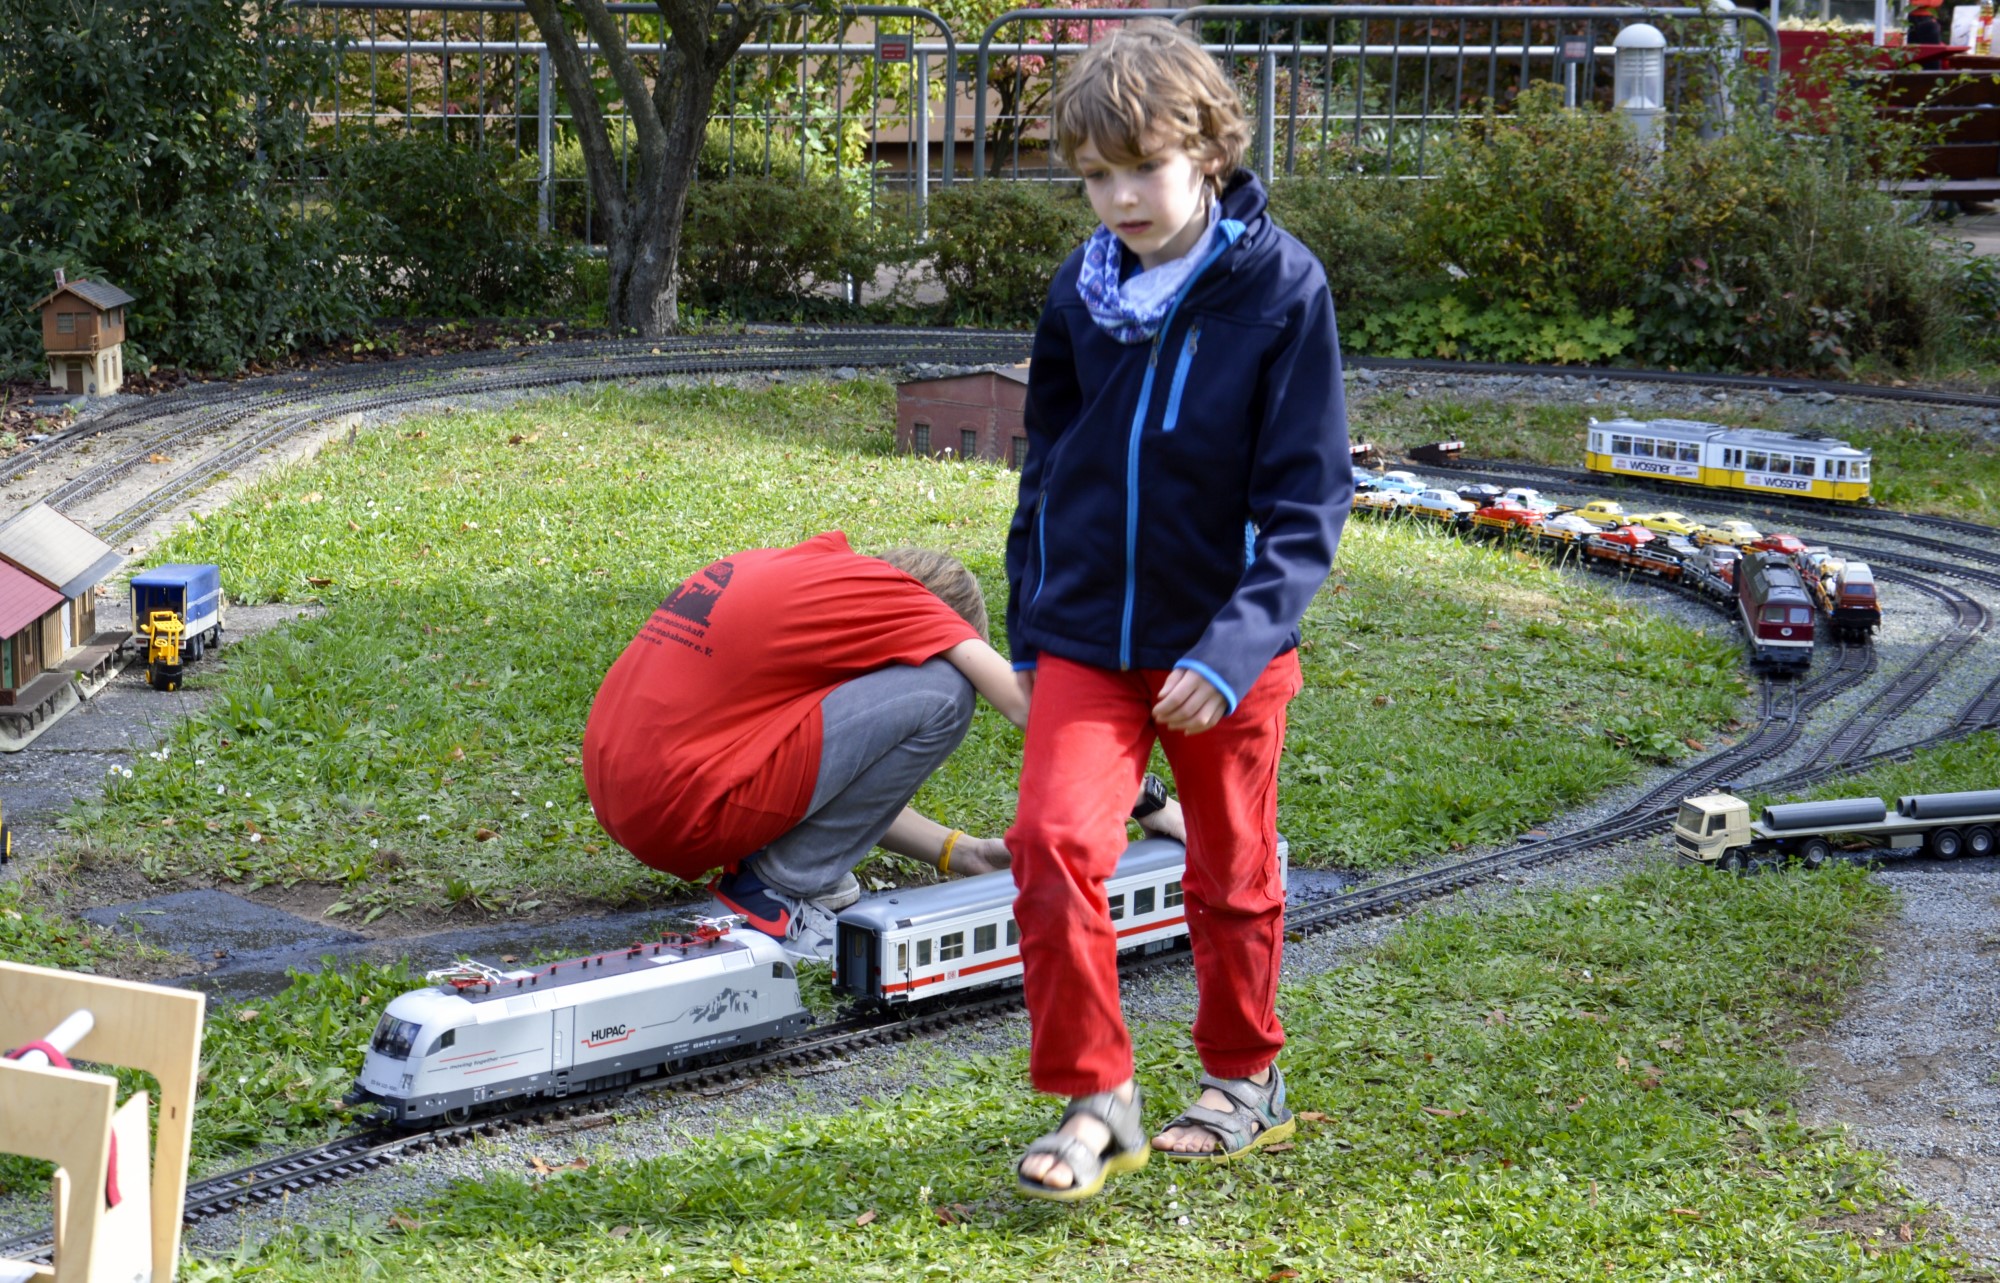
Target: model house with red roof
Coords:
[(49, 571)]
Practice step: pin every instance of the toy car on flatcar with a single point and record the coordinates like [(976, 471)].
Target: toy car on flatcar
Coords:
[(1714, 457), (1665, 523), (1503, 514), (1734, 532), (1441, 505), (1603, 512)]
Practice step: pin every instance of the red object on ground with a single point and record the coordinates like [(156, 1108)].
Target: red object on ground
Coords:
[(704, 741), (1089, 736)]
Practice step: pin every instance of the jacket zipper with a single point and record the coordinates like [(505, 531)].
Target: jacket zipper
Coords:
[(1132, 446), (1181, 369), (1041, 545)]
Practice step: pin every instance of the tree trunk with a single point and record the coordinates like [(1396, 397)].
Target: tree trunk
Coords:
[(645, 261)]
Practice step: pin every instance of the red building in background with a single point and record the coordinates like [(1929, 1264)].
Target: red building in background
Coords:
[(966, 416)]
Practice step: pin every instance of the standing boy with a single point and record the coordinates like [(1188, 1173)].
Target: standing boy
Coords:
[(1186, 482)]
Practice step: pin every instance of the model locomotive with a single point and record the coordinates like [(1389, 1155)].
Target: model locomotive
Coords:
[(1716, 831), (477, 1034)]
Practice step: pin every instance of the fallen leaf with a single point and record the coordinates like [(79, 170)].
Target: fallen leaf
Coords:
[(398, 1221), (1435, 1112), (418, 435), (483, 835), (1275, 1275), (954, 1213), (1624, 1063), (866, 1218), (1688, 1212), (247, 1014), (1671, 1044), (508, 957), (1905, 1232), (319, 582), (157, 457), (1310, 1116), (1496, 1017), (620, 1231), (352, 524), (1280, 1147), (457, 753), (1694, 744), (520, 438), (1384, 701), (1578, 1103), (211, 826)]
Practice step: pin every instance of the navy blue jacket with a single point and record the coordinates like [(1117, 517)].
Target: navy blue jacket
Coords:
[(1182, 498)]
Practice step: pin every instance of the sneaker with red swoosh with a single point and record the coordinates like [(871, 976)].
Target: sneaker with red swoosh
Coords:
[(764, 907)]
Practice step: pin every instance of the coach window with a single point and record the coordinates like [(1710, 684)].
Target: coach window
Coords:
[(1597, 442), (1690, 452), (985, 939), (1142, 902), (449, 1038), (1803, 466), (903, 956), (1642, 448), (1118, 906), (923, 953), (1861, 470), (1621, 445), (1013, 932), (1756, 461), (1173, 894), (951, 947), (1781, 464)]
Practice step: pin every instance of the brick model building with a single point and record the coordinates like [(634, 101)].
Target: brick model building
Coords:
[(83, 331), (967, 416)]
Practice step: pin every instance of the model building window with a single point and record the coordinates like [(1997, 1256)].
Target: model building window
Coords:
[(951, 946), (920, 438), (1019, 450), (65, 322), (985, 939), (968, 443)]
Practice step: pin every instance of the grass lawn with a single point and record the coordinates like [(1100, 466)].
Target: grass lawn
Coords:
[(1568, 1086), (414, 749), (1943, 471)]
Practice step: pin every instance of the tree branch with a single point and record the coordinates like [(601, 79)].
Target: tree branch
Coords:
[(625, 70)]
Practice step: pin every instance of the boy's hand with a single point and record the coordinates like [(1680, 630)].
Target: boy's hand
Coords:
[(1188, 703), (974, 856)]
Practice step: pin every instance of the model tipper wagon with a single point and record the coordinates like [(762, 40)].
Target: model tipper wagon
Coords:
[(1716, 829)]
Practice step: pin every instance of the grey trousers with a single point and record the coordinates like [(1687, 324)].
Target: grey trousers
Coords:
[(884, 733)]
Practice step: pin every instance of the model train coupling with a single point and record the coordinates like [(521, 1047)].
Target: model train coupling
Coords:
[(1716, 831)]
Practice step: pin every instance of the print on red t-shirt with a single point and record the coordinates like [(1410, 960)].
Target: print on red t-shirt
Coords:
[(703, 743)]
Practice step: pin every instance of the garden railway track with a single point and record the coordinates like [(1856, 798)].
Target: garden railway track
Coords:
[(229, 424)]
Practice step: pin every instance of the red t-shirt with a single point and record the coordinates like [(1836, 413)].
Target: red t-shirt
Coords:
[(704, 741)]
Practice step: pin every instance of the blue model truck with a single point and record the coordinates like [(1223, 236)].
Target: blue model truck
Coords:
[(178, 610)]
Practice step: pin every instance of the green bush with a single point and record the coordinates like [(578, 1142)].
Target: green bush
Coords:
[(745, 147), (1361, 229), (755, 245), (441, 229), (109, 170), (996, 245)]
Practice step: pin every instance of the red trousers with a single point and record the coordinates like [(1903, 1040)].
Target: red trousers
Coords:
[(1090, 731)]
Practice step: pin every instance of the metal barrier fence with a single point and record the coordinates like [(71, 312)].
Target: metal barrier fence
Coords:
[(873, 95)]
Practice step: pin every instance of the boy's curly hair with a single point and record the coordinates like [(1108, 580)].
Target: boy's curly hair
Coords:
[(947, 578), (1149, 77)]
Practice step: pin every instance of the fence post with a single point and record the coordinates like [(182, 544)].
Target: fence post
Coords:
[(544, 138), (923, 140), (1267, 112)]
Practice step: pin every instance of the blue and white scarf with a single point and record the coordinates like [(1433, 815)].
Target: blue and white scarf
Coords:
[(1132, 311)]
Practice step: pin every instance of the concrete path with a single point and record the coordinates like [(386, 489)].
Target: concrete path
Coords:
[(1980, 231)]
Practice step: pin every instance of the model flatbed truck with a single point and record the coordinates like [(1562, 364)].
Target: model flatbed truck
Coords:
[(1716, 831)]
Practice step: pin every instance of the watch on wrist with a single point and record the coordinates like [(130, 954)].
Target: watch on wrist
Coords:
[(1152, 797)]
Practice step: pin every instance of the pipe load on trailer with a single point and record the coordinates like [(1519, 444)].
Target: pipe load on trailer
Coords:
[(1808, 815), (1949, 806)]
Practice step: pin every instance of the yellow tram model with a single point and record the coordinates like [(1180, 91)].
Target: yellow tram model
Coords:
[(1715, 457)]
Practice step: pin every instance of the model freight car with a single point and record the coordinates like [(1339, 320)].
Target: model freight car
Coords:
[(1716, 830)]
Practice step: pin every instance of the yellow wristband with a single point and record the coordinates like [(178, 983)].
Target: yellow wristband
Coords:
[(944, 856)]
